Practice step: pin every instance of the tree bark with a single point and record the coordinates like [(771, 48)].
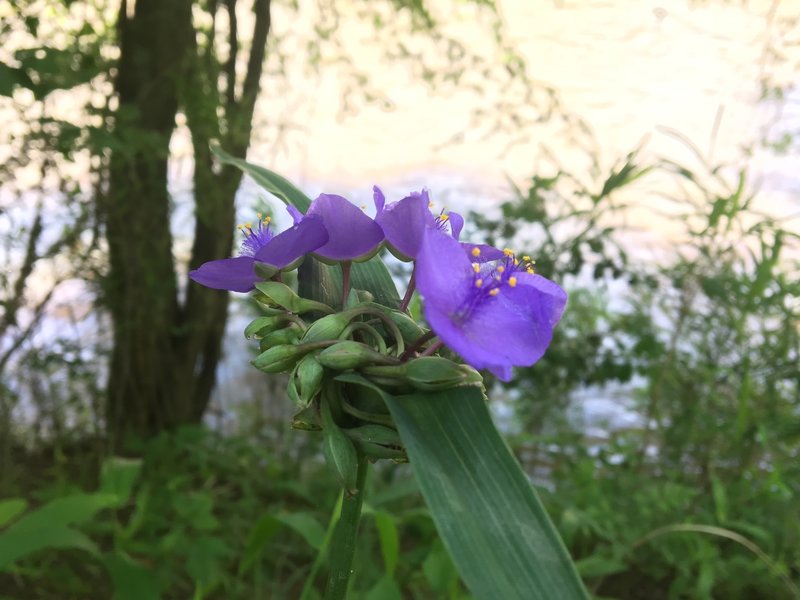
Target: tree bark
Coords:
[(165, 354)]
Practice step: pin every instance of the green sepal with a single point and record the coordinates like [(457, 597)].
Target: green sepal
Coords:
[(328, 327), (307, 379), (281, 294), (352, 355), (375, 434), (307, 419), (427, 373), (288, 335), (376, 451), (279, 359), (264, 270), (262, 326)]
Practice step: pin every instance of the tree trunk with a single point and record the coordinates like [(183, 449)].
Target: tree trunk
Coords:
[(165, 354)]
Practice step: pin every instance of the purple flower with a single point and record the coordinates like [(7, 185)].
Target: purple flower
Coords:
[(352, 234), (495, 315), (405, 222), (260, 245)]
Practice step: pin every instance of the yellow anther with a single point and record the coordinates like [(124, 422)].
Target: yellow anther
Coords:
[(494, 292), (508, 252), (476, 267), (526, 258), (478, 282), (240, 227), (443, 218), (259, 215), (529, 270), (248, 225), (512, 281), (516, 262), (476, 251), (501, 269), (267, 220)]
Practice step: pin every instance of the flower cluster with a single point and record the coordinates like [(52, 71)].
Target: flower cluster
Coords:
[(485, 304)]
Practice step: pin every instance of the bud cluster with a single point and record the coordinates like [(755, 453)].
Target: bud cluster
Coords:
[(340, 364)]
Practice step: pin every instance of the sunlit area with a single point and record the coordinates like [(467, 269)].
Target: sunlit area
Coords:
[(399, 299)]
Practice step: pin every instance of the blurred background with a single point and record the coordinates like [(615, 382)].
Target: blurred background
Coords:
[(644, 153)]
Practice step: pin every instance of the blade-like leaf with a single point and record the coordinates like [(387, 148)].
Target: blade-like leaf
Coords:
[(488, 515), (275, 184), (374, 277), (319, 282)]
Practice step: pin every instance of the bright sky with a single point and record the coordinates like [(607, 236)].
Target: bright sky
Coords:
[(627, 68)]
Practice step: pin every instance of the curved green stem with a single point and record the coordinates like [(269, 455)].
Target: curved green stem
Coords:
[(390, 325), (343, 545)]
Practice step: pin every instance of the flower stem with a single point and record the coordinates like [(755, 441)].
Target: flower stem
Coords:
[(421, 341), (432, 349), (412, 285), (345, 282), (343, 545)]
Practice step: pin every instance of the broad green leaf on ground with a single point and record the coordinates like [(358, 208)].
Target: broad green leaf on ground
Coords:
[(48, 527), (491, 521)]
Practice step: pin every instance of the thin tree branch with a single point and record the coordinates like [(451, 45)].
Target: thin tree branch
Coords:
[(233, 52)]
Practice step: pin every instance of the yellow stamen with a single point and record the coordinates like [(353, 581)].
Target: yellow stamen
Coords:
[(526, 258), (248, 225), (478, 282), (530, 270), (476, 251), (259, 215), (516, 262), (267, 220), (476, 267), (443, 218), (508, 252), (501, 269), (494, 292), (512, 281), (240, 227)]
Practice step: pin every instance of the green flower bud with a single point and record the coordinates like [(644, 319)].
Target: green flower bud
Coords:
[(328, 327), (307, 379), (288, 335), (279, 359), (427, 373), (351, 355), (262, 326)]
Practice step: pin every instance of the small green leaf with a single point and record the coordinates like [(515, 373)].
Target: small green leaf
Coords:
[(263, 531), (132, 581), (389, 538), (118, 477), (9, 509)]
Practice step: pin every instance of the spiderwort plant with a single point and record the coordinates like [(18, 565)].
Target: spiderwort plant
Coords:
[(347, 366)]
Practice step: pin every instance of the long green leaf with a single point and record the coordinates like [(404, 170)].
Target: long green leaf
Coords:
[(275, 184), (319, 282), (488, 515)]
